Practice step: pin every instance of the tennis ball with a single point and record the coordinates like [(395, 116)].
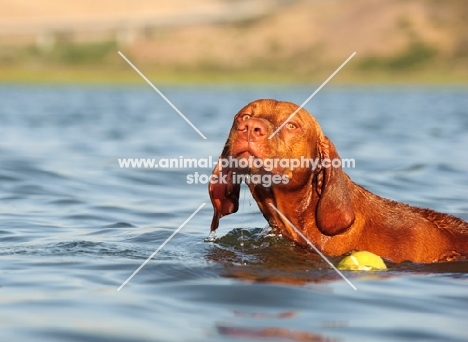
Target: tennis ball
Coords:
[(362, 261)]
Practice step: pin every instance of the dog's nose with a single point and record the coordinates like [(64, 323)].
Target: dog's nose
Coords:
[(253, 129)]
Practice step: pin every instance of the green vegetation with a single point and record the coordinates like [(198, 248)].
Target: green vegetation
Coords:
[(89, 53), (416, 55), (63, 53), (67, 62)]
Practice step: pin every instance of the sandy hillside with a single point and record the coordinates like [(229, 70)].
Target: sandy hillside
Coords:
[(319, 31), (303, 37)]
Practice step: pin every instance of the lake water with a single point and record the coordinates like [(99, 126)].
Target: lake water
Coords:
[(74, 225)]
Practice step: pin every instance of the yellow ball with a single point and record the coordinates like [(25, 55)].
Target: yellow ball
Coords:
[(362, 261)]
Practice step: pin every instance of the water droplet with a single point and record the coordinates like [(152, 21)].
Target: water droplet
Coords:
[(211, 238)]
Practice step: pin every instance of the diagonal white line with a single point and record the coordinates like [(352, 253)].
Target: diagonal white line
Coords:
[(311, 96), (315, 248), (162, 95), (160, 247)]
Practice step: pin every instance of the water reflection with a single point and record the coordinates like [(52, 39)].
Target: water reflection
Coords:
[(272, 332)]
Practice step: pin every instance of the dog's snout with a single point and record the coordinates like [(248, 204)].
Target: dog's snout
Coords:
[(254, 129)]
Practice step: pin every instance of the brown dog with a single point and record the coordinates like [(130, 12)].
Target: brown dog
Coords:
[(334, 213)]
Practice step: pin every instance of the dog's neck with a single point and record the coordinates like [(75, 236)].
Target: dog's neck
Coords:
[(302, 201), (299, 207)]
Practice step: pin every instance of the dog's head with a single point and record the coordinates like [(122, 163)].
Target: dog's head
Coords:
[(265, 139)]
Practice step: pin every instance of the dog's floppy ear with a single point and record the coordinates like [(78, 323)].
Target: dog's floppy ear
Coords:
[(335, 211), (224, 193)]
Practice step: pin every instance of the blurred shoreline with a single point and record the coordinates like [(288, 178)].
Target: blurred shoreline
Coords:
[(235, 42), (98, 76)]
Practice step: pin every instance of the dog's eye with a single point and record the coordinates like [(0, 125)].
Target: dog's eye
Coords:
[(246, 117), (291, 126)]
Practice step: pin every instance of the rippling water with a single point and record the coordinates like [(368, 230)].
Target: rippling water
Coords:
[(74, 225)]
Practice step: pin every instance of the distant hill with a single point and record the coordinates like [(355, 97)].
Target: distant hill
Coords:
[(304, 41)]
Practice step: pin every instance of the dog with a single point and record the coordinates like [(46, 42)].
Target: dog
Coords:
[(331, 211)]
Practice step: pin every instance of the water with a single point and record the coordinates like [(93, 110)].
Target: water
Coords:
[(74, 226)]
